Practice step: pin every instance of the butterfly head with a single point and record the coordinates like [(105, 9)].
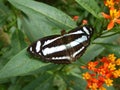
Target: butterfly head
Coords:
[(88, 30), (34, 49)]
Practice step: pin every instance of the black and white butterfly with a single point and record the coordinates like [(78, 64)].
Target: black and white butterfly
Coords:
[(62, 49)]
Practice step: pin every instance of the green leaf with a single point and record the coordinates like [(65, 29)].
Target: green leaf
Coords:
[(91, 52), (42, 19), (96, 48), (18, 41), (116, 29), (110, 88), (91, 6), (3, 87), (20, 64), (14, 87), (17, 44), (59, 82), (74, 82), (43, 82), (4, 13), (110, 48)]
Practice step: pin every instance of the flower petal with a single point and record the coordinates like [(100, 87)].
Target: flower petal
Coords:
[(117, 21), (110, 25), (106, 15)]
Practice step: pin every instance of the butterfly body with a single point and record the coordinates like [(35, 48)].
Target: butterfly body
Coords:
[(62, 49)]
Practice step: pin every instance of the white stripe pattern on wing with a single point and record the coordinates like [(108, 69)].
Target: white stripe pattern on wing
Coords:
[(86, 30), (31, 49), (76, 42), (61, 58), (78, 51), (52, 40), (51, 50), (38, 44)]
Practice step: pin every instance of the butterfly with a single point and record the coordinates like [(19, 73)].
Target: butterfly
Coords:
[(62, 49)]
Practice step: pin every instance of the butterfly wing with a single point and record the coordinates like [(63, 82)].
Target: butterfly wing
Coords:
[(62, 49)]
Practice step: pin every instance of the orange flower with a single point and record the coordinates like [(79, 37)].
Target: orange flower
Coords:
[(101, 80), (92, 65), (111, 66), (93, 86), (104, 60), (109, 3), (116, 73), (111, 57), (108, 82), (102, 88), (113, 17), (87, 75), (102, 72), (118, 61)]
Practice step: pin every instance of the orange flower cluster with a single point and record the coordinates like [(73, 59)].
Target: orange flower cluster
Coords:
[(102, 72), (114, 17)]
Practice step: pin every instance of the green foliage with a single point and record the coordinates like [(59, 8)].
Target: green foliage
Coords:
[(24, 21), (93, 7), (38, 15)]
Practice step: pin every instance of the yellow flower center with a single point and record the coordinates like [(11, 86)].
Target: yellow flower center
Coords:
[(111, 66), (114, 13), (111, 57), (108, 82)]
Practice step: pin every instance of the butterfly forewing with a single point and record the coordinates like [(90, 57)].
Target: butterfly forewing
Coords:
[(62, 49)]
